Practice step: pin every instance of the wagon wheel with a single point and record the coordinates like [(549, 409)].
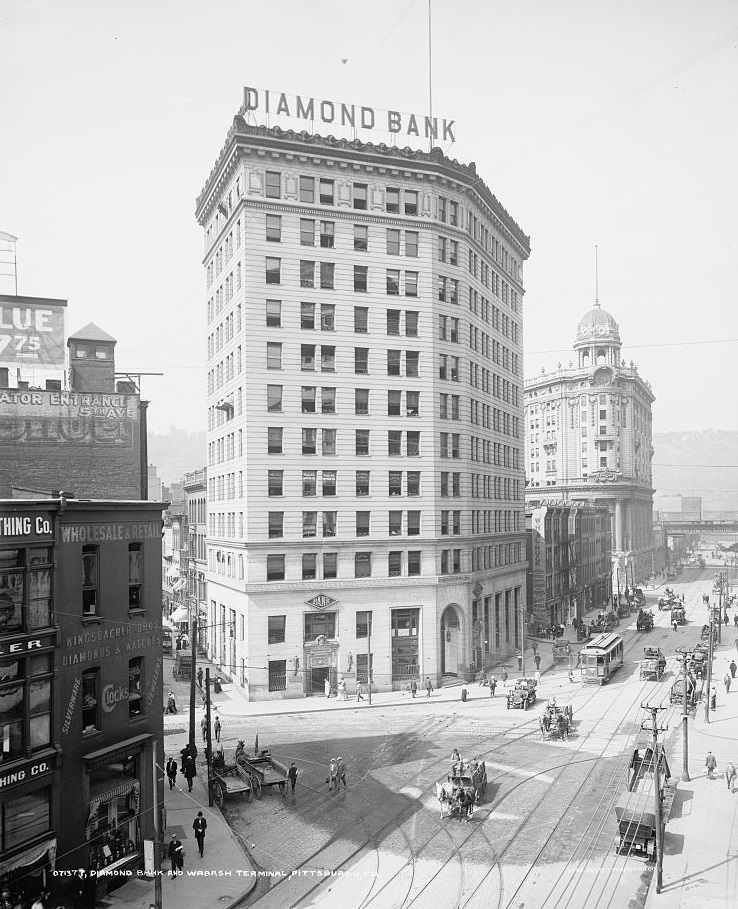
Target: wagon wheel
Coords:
[(256, 784), (218, 794), (250, 790)]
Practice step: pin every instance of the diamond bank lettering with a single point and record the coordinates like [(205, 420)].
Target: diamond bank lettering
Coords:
[(350, 116)]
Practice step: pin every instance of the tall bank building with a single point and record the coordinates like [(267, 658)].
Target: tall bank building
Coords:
[(365, 414)]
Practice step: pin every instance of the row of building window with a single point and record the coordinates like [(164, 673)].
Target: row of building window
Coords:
[(399, 564), (399, 483)]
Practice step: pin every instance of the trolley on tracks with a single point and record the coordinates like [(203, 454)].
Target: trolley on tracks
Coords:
[(635, 810), (601, 657), (653, 664)]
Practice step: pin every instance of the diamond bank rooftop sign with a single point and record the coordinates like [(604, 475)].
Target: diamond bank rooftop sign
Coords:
[(296, 110)]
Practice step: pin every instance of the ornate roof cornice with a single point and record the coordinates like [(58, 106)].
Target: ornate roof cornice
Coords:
[(434, 161)]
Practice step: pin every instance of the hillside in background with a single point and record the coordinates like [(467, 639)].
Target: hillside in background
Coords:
[(176, 452), (698, 464), (688, 463)]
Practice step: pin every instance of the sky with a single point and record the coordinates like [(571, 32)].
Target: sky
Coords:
[(596, 124)]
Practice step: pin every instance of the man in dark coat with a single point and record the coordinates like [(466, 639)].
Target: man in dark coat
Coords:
[(172, 772), (200, 825), (176, 855), (189, 770)]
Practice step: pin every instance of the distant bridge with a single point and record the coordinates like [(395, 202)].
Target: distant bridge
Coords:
[(725, 532)]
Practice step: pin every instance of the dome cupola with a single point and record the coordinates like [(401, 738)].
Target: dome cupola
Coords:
[(598, 339)]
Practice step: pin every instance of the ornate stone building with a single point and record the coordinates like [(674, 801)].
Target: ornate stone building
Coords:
[(588, 438), (365, 483)]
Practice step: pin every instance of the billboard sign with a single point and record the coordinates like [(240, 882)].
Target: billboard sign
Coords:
[(32, 331)]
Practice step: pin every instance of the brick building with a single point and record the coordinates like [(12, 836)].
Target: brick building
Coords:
[(80, 687), (365, 440), (72, 425), (569, 547)]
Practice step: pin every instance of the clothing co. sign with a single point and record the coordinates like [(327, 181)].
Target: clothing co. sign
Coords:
[(350, 116)]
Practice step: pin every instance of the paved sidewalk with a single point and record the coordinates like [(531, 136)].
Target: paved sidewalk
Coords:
[(222, 877), (700, 867)]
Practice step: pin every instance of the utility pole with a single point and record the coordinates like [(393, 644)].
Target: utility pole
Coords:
[(208, 740), (720, 610), (709, 662), (654, 729), (369, 657), (157, 829), (683, 656), (193, 652), (522, 635)]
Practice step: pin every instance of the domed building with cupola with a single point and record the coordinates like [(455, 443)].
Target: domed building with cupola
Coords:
[(588, 440)]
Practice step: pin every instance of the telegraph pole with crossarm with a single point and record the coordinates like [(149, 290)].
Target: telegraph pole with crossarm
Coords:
[(655, 729)]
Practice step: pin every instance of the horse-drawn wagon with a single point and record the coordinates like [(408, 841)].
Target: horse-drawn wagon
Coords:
[(561, 651), (676, 694), (556, 720), (653, 664), (523, 694), (463, 788), (644, 622)]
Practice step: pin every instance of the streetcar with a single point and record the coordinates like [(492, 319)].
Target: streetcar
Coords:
[(601, 657)]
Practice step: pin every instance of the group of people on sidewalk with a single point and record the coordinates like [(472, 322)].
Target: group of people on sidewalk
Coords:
[(730, 772)]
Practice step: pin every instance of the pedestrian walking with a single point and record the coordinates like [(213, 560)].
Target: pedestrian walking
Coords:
[(579, 659), (216, 729), (713, 698), (725, 619), (730, 775), (732, 668), (199, 677), (534, 645), (735, 620), (537, 660), (189, 770), (413, 687), (292, 776), (200, 825), (171, 703), (327, 687), (504, 677), (711, 764), (204, 727), (359, 690), (674, 625), (176, 855), (726, 682), (428, 687), (172, 772), (342, 690), (492, 686)]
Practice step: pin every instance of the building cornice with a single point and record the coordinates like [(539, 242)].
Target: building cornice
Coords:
[(433, 164)]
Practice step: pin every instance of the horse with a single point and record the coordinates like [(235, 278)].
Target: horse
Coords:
[(544, 721), (445, 795), (240, 751)]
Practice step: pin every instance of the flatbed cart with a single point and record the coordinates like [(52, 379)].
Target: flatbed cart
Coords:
[(233, 779), (265, 771)]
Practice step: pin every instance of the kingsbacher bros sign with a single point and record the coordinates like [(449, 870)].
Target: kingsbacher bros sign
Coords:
[(352, 116)]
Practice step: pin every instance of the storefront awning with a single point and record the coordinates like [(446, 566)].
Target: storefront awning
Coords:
[(131, 788), (115, 752), (180, 614), (30, 857)]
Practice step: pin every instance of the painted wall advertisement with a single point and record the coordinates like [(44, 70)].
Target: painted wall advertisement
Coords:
[(538, 567), (32, 332)]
